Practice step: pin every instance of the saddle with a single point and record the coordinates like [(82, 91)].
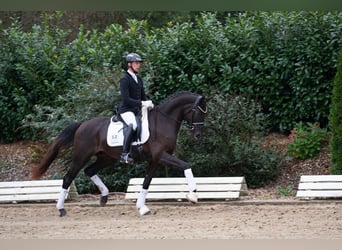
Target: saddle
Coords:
[(115, 135)]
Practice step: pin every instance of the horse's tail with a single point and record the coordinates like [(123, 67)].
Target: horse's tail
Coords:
[(65, 138)]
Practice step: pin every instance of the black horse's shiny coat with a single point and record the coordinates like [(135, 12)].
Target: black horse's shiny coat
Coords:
[(89, 138)]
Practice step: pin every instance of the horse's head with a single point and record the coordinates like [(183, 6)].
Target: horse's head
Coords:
[(185, 106), (195, 117)]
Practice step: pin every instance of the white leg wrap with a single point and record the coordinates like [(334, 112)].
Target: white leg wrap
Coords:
[(192, 196), (144, 210), (100, 185), (190, 179), (142, 198), (61, 199)]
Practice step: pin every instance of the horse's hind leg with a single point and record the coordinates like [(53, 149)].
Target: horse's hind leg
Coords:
[(77, 163), (101, 162)]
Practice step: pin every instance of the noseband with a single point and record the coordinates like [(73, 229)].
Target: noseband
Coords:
[(192, 125)]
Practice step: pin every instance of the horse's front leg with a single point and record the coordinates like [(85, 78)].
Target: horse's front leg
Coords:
[(142, 208), (175, 162)]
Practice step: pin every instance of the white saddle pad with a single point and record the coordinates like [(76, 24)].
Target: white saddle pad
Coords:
[(115, 135)]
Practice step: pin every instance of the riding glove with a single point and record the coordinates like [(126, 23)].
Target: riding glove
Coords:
[(148, 104)]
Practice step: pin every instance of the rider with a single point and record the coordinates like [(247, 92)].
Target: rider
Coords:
[(133, 97)]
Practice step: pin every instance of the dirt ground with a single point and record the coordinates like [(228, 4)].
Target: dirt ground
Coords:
[(226, 220), (263, 214)]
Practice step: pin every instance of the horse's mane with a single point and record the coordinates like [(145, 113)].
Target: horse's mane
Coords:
[(175, 95)]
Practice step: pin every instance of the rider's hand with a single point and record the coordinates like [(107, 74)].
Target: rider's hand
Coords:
[(148, 104)]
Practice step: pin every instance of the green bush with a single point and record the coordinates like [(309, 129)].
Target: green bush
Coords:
[(285, 191), (230, 145), (97, 95), (284, 60), (39, 67), (307, 140), (335, 122), (34, 70)]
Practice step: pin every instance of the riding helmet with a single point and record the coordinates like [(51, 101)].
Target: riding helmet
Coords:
[(133, 57)]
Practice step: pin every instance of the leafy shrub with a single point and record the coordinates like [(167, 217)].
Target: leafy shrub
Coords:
[(335, 119), (285, 60), (307, 139), (34, 70), (96, 96), (257, 164), (229, 145), (285, 191)]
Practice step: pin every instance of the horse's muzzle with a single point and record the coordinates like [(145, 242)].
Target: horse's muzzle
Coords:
[(197, 132)]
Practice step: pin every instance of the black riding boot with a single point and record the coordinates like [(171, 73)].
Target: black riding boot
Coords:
[(128, 137)]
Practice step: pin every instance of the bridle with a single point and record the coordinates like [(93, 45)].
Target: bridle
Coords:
[(192, 125)]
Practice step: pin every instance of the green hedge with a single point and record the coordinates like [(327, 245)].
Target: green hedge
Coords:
[(335, 122), (284, 60), (231, 143), (36, 68)]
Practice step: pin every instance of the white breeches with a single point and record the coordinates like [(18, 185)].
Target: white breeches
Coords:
[(129, 118)]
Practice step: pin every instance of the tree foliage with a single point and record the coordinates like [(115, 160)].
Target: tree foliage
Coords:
[(285, 60), (335, 122)]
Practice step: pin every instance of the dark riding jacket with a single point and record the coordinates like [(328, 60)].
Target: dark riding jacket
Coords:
[(132, 93)]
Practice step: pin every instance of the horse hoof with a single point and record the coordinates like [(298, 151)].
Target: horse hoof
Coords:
[(192, 197), (144, 211), (103, 200), (62, 212)]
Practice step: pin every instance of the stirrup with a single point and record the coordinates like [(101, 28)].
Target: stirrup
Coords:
[(125, 158)]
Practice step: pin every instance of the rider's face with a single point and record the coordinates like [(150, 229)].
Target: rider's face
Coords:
[(136, 66)]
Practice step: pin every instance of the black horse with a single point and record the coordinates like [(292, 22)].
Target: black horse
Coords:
[(89, 138)]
